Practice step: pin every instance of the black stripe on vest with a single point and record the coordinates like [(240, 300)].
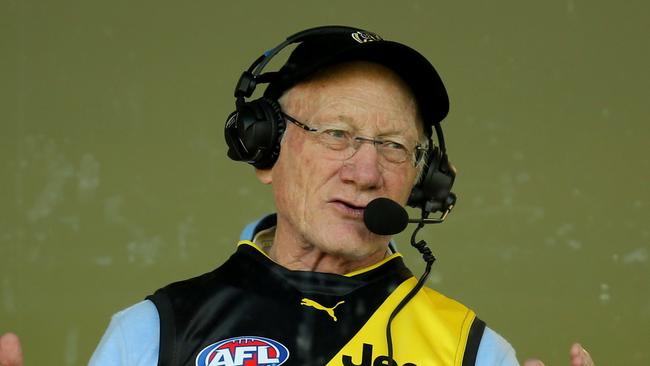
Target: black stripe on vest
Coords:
[(473, 341)]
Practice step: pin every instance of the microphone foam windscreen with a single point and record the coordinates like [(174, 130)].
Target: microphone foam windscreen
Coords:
[(384, 216)]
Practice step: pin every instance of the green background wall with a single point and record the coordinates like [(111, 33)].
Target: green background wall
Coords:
[(114, 179)]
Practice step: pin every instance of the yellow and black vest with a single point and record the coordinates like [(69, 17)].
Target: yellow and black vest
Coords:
[(252, 312)]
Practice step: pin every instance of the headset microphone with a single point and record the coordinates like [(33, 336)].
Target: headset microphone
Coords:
[(384, 216)]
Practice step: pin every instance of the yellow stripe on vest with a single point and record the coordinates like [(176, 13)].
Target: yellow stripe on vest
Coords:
[(431, 330)]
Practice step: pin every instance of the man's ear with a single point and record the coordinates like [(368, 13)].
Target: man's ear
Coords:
[(264, 175)]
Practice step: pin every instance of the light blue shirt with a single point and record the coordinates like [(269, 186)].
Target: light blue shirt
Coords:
[(133, 337)]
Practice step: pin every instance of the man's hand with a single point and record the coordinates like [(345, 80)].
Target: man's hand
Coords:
[(10, 352), (578, 355)]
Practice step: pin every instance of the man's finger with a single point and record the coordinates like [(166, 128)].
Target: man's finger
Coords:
[(580, 356)]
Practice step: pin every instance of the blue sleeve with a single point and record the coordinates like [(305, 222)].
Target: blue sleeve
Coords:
[(494, 350), (132, 338)]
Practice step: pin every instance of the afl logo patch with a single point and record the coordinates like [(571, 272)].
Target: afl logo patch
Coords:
[(363, 37), (243, 351)]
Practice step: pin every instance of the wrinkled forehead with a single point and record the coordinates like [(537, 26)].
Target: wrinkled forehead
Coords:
[(358, 92)]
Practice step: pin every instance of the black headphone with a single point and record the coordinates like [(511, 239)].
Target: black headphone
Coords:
[(253, 131)]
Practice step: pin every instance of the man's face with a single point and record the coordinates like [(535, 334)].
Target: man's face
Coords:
[(320, 199)]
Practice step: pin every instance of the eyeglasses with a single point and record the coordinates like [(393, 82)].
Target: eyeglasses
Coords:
[(343, 145)]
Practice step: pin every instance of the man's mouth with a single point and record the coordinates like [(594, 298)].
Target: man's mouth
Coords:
[(350, 208)]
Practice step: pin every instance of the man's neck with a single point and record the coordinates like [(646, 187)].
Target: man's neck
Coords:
[(306, 257)]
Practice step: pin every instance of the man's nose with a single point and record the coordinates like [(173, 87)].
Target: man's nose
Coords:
[(363, 168)]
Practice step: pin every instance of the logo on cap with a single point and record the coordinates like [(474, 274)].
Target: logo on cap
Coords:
[(363, 37)]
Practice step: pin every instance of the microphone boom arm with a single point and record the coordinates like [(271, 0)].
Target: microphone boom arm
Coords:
[(439, 220)]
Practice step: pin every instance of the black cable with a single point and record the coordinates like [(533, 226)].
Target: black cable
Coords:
[(429, 258)]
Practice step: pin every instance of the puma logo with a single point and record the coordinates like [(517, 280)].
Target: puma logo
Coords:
[(330, 311)]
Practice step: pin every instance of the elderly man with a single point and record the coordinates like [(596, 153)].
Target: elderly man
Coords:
[(348, 119)]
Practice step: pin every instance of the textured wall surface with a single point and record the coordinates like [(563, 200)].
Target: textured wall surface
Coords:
[(114, 179)]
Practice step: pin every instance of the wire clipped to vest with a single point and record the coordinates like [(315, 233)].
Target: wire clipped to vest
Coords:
[(429, 258)]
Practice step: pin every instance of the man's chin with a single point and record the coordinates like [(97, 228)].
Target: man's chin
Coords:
[(354, 244), (350, 231)]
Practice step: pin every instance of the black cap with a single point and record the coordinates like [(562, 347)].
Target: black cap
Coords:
[(318, 51)]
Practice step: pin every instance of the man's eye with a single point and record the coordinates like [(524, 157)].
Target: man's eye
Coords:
[(337, 134), (393, 145)]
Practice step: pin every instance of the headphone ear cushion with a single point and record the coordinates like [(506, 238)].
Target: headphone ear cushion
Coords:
[(253, 132), (434, 188)]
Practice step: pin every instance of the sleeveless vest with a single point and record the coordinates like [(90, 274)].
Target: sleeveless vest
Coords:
[(251, 311)]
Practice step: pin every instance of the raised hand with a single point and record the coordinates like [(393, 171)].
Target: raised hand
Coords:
[(10, 352), (577, 355)]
